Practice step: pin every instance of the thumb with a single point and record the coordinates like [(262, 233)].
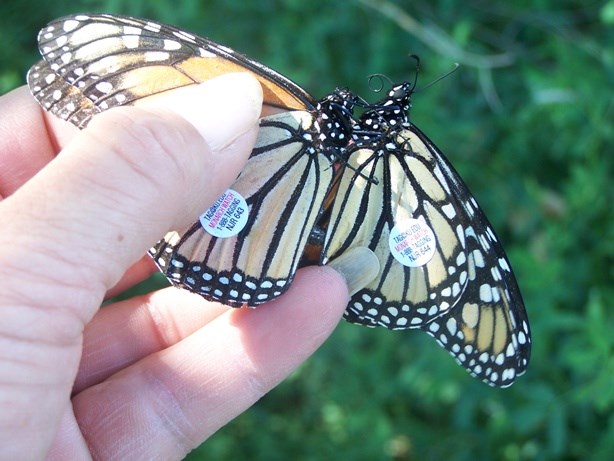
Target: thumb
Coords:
[(132, 175)]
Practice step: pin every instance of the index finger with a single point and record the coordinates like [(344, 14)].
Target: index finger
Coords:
[(28, 139)]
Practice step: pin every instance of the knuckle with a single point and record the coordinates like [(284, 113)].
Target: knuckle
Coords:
[(149, 143)]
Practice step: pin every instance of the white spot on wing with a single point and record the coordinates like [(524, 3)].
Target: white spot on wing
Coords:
[(156, 56), (171, 45), (449, 211), (131, 41), (504, 265), (70, 25), (153, 27), (206, 53), (486, 293), (104, 87), (451, 325), (478, 258), (131, 30)]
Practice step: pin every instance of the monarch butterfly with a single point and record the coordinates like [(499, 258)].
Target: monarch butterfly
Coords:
[(333, 174)]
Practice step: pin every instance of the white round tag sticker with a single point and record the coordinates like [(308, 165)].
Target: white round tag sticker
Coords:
[(227, 216), (412, 242)]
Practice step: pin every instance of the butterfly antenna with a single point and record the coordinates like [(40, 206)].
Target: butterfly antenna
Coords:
[(380, 78), (416, 58), (450, 72)]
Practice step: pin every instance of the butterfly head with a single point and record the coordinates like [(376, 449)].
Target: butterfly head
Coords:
[(400, 96), (388, 113)]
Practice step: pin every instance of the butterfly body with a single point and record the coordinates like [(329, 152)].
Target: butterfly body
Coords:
[(324, 177)]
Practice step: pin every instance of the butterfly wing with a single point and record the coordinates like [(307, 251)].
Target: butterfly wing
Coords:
[(284, 186), (463, 292), (114, 60), (379, 189), (95, 62), (59, 97)]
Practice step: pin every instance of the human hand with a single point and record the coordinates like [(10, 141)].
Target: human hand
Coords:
[(153, 376)]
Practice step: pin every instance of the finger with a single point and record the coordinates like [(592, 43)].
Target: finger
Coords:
[(177, 398), (69, 442), (25, 147), (125, 332), (69, 234)]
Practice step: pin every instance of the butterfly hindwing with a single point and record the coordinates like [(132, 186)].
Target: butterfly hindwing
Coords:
[(284, 183), (386, 186), (487, 331)]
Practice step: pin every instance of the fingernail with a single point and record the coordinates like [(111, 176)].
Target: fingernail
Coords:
[(221, 109), (359, 266)]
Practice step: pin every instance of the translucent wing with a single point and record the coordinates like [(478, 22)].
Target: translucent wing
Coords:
[(378, 189), (114, 60), (284, 183), (463, 292)]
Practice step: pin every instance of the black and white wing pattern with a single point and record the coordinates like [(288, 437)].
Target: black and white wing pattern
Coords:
[(443, 270), (283, 184)]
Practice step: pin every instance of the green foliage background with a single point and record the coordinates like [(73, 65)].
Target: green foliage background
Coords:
[(527, 120)]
